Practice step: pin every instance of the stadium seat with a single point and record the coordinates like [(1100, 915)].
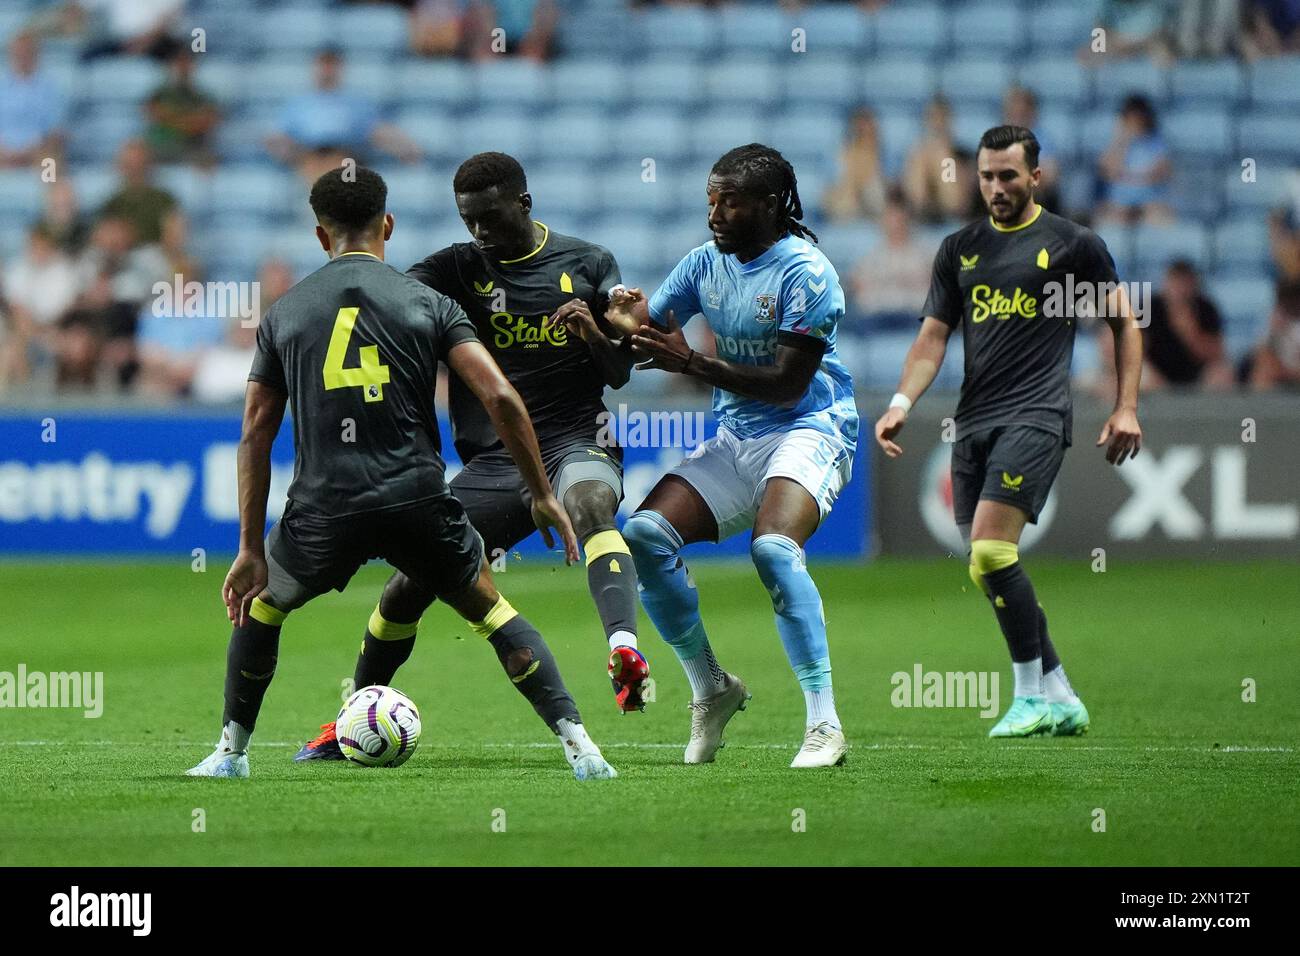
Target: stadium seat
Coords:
[(506, 131), (1119, 243), (242, 140), (1203, 133), (21, 197), (224, 79), (1276, 81), (1241, 243), (1267, 133), (622, 192), (898, 131), (686, 31), (1154, 247), (745, 30), (1095, 133), (803, 131), (1258, 196), (282, 78), (94, 184), (298, 29), (826, 79), (556, 190), (605, 32), (1220, 83), (1114, 80), (981, 82), (1058, 84), (984, 26), (715, 132), (589, 83), (674, 84), (969, 124), (442, 83), (747, 81), (372, 77), (1059, 130), (372, 28), (920, 28), (96, 138), (413, 189), (121, 79), (255, 189), (659, 134), (575, 134), (1245, 305), (629, 238), (191, 187), (897, 82), (836, 27), (518, 84), (1196, 193), (1061, 28), (436, 132), (845, 243)]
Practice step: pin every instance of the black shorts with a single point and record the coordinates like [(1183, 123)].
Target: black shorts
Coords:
[(432, 542), (1015, 464), (498, 502)]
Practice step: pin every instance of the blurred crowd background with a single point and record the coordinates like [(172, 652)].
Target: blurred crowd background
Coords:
[(144, 139)]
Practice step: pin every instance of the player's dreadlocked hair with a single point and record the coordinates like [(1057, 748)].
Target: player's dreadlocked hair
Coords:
[(1004, 137), (485, 170), (764, 170), (350, 203)]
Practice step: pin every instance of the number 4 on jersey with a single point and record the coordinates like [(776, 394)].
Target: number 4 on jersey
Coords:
[(370, 375)]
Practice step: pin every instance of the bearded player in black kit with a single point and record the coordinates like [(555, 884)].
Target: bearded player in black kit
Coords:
[(1000, 279)]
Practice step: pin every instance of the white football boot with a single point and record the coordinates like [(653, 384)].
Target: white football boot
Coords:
[(584, 756), (709, 716), (823, 746), (230, 759)]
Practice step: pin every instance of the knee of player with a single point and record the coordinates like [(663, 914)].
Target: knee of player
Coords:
[(403, 599), (775, 554), (647, 533), (988, 555), (591, 506)]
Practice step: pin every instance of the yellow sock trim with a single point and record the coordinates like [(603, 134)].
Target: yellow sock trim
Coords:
[(988, 555), (263, 612), (496, 619), (605, 542), (386, 630)]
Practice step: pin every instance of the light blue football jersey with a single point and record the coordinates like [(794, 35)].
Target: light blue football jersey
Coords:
[(790, 288)]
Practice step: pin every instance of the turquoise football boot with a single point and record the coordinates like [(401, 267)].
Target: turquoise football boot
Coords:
[(1070, 720), (1026, 717)]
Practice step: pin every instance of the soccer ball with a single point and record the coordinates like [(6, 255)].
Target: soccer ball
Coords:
[(378, 727)]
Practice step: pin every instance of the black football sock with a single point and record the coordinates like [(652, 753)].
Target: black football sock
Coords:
[(611, 576), (386, 647), (1051, 661), (1017, 611), (250, 665), (528, 663)]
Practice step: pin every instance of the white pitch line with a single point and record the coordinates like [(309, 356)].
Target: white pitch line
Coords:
[(632, 745)]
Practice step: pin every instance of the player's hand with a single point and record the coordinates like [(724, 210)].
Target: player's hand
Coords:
[(888, 427), (1122, 436), (666, 350), (245, 580), (577, 319), (620, 311), (548, 513)]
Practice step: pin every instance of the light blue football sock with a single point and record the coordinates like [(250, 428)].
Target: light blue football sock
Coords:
[(798, 605)]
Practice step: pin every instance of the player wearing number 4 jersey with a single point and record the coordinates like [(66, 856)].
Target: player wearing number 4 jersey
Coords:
[(354, 350), (787, 430), (1000, 279)]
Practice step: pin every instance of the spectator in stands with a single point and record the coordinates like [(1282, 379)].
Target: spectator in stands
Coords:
[(32, 109), (1020, 108), (39, 288), (859, 192), (221, 373), (1136, 168), (935, 188), (528, 25), (438, 27), (1132, 28), (1209, 28), (1284, 230), (174, 247), (137, 199), (1183, 344), (892, 279), (1276, 362), (62, 218), (1272, 28), (128, 27), (170, 345), (182, 117), (318, 130)]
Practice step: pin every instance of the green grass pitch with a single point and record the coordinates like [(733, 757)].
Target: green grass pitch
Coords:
[(1185, 771)]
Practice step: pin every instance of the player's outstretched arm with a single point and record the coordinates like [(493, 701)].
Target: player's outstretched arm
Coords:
[(263, 413), (783, 383), (1122, 435), (474, 364), (924, 359), (613, 361)]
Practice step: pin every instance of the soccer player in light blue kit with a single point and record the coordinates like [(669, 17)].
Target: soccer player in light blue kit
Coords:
[(784, 449)]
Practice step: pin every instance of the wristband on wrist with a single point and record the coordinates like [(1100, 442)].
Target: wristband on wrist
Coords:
[(687, 363), (901, 401)]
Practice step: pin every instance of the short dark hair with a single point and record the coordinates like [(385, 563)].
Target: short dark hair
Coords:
[(1004, 137), (350, 204), (485, 170), (1137, 103), (763, 170)]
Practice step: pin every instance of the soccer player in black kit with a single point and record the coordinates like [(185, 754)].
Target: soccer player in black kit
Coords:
[(1000, 279), (354, 350), (537, 299)]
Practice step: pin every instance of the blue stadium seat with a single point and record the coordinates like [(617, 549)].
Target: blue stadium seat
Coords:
[(444, 83), (518, 84), (721, 129), (372, 28), (300, 29), (1154, 247), (94, 184), (1095, 133), (630, 238), (845, 243), (21, 197), (242, 140), (1245, 305), (746, 81), (969, 124), (505, 131), (192, 188), (898, 131), (799, 131), (1119, 242), (1201, 133), (662, 83), (557, 190), (601, 32), (824, 79), (372, 77), (1061, 28), (656, 133), (280, 79), (1059, 130), (577, 134), (978, 81), (1063, 84), (689, 31), (1276, 81), (841, 28), (1265, 193), (121, 79), (1241, 243), (623, 193), (1195, 188), (920, 28), (254, 189), (587, 83), (436, 132), (988, 25), (412, 191), (1208, 83), (98, 136), (756, 29), (897, 81), (224, 79), (1114, 80), (1267, 133)]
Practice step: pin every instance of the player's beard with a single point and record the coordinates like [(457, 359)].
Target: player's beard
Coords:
[(1011, 212)]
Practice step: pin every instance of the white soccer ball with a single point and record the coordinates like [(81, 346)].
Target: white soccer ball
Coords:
[(378, 727)]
